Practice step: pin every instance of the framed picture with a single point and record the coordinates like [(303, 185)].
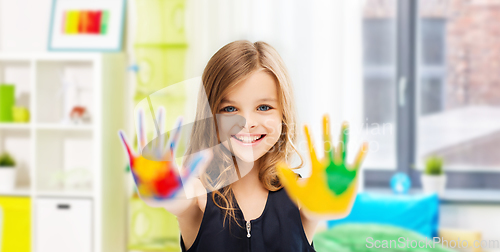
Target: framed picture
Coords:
[(86, 25)]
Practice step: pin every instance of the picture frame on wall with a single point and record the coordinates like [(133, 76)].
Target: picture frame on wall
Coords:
[(87, 25)]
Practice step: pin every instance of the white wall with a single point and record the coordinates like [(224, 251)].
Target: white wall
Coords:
[(24, 25)]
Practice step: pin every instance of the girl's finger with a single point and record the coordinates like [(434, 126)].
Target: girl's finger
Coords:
[(288, 178), (173, 140), (177, 133), (316, 166), (327, 140), (342, 145), (131, 154), (198, 163), (160, 117), (141, 131), (360, 156)]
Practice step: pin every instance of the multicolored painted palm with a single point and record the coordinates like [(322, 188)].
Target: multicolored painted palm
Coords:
[(159, 177), (332, 186)]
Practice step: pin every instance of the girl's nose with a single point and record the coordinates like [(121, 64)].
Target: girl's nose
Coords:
[(249, 122)]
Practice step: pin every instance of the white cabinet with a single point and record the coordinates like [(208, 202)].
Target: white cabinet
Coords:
[(63, 225), (66, 162)]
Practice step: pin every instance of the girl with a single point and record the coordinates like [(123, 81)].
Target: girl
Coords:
[(241, 204)]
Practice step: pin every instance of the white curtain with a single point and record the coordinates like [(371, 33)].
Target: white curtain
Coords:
[(320, 42)]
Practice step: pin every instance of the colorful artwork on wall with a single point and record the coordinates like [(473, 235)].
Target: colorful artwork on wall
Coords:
[(85, 22), (87, 25)]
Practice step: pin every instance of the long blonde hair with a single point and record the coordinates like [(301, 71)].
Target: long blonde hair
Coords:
[(228, 67)]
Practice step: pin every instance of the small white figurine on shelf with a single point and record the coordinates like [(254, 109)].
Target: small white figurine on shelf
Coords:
[(71, 92)]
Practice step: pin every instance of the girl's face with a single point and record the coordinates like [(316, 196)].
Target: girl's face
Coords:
[(250, 117)]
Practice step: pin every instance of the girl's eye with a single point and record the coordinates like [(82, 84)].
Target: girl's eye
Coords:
[(264, 107), (229, 109)]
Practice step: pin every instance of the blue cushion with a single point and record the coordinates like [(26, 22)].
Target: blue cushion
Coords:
[(419, 213)]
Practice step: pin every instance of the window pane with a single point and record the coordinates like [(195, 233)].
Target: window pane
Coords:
[(459, 84), (379, 63)]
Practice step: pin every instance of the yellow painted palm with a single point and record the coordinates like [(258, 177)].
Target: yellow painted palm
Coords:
[(331, 189)]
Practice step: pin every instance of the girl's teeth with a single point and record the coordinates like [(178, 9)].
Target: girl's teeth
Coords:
[(247, 139)]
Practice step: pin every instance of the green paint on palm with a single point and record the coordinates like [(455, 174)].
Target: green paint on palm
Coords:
[(339, 178), (339, 175)]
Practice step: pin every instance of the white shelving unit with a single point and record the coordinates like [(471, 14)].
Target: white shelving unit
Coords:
[(89, 215)]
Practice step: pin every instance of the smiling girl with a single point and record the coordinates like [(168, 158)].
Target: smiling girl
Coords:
[(247, 81), (242, 204)]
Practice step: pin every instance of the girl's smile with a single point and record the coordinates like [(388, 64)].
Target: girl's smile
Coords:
[(249, 139)]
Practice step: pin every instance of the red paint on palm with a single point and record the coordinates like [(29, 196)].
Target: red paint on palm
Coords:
[(166, 184)]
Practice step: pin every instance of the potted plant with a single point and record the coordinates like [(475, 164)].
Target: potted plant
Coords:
[(7, 172), (433, 178)]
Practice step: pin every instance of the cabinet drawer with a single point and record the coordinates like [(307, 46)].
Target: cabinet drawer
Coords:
[(63, 225)]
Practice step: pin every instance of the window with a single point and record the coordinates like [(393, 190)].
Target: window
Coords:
[(431, 68), (379, 81), (459, 97)]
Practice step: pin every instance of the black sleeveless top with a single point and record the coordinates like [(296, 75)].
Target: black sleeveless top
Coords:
[(278, 229)]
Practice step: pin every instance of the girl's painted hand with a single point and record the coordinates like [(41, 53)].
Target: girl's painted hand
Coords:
[(159, 177), (332, 186)]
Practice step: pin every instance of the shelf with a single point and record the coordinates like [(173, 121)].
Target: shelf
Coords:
[(68, 127), (14, 126), (46, 126), (65, 194), (62, 86), (16, 140), (64, 155), (18, 72), (16, 192)]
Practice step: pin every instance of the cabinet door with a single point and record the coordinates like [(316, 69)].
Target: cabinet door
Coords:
[(63, 225), (15, 233)]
